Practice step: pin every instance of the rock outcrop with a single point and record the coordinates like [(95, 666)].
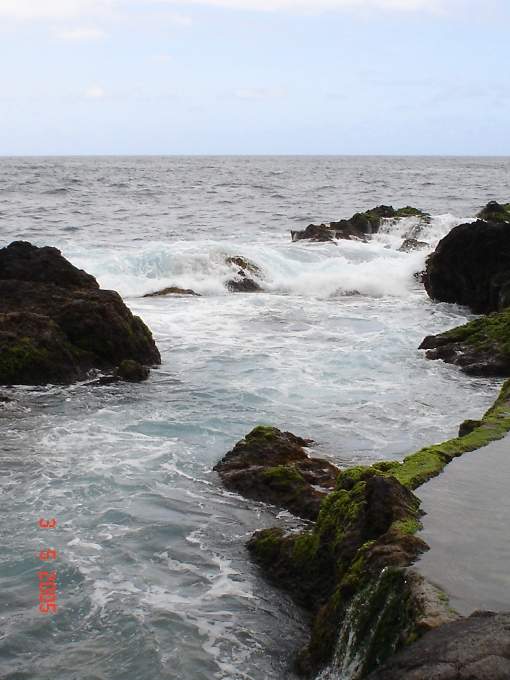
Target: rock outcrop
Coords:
[(473, 648), (351, 568), (57, 325), (243, 280), (271, 466), (358, 226), (480, 347), (471, 264)]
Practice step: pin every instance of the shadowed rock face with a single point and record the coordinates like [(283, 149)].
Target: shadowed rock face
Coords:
[(271, 466), (53, 333), (474, 648), (471, 266)]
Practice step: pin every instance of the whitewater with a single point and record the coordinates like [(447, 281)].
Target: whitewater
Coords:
[(153, 579)]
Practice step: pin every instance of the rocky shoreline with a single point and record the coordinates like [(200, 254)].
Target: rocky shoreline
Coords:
[(372, 615)]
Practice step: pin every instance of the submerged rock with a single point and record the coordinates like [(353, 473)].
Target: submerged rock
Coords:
[(472, 648), (480, 347), (410, 244), (173, 290), (471, 266), (271, 466), (52, 333)]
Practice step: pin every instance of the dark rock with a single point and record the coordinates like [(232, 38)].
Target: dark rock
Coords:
[(314, 232), (410, 244), (496, 213), (4, 399), (468, 426), (22, 261), (243, 283), (132, 371), (473, 648), (358, 226), (480, 347), (173, 290), (471, 266), (58, 334), (271, 466)]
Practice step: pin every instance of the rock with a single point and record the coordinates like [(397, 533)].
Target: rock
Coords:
[(473, 648), (471, 266), (468, 426), (132, 371), (358, 226), (21, 261), (480, 347), (496, 213), (410, 244), (173, 290), (58, 334), (243, 283), (271, 466), (314, 232), (4, 399)]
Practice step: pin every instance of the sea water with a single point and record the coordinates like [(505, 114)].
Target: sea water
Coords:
[(153, 578)]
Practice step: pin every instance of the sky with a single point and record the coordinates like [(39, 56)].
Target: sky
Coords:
[(143, 77)]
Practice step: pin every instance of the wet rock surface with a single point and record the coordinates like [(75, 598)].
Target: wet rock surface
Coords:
[(272, 466), (480, 347), (356, 227), (471, 265), (173, 290), (52, 333), (473, 648), (243, 281)]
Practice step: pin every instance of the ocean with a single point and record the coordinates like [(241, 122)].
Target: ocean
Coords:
[(153, 578)]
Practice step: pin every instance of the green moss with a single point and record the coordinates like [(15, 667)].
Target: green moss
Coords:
[(264, 432), (409, 211), (21, 358), (283, 477), (497, 213), (407, 526)]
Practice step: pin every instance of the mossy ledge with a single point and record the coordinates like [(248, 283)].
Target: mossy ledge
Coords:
[(366, 527)]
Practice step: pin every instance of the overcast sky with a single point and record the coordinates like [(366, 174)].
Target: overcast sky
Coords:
[(255, 77)]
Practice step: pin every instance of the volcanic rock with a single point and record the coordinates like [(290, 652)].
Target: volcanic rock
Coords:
[(471, 266), (53, 333), (271, 466), (473, 648)]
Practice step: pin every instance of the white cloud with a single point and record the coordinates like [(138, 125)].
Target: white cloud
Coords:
[(94, 92), (76, 34), (274, 92), (37, 9), (161, 58)]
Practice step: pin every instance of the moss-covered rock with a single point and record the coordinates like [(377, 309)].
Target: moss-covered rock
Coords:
[(497, 213), (271, 466), (51, 333), (358, 226), (480, 347), (366, 527)]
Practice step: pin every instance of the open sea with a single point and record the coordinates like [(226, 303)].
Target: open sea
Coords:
[(153, 579)]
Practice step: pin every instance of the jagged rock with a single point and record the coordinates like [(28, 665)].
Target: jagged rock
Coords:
[(57, 334), (471, 266), (173, 290), (271, 466), (243, 283), (480, 347), (473, 648), (358, 226)]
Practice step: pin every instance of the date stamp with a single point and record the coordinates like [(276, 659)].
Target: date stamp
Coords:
[(47, 580)]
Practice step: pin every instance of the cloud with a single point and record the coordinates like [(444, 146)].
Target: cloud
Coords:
[(76, 34), (37, 9), (94, 92), (273, 92)]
